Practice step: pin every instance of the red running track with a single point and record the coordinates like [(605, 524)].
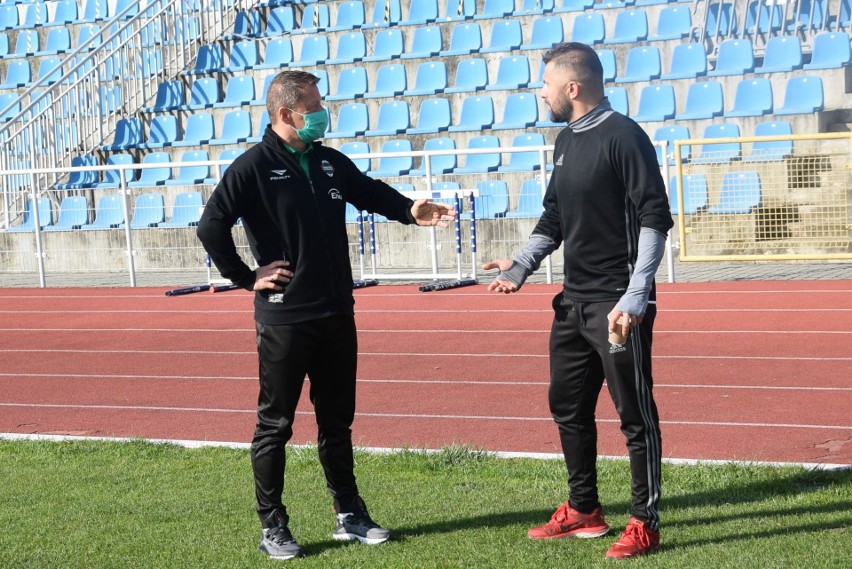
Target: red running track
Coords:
[(756, 371)]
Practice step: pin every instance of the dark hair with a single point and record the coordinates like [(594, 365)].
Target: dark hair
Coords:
[(286, 90), (578, 59)]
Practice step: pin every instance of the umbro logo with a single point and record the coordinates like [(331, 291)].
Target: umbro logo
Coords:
[(280, 175)]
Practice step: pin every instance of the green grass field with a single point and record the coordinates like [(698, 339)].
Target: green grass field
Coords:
[(124, 505)]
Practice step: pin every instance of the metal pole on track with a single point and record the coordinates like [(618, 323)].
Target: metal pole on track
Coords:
[(131, 265), (39, 245)]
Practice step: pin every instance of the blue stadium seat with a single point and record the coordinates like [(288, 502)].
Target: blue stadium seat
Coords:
[(128, 134), (396, 165), (260, 95), (352, 120), (643, 64), (78, 180), (279, 53), (673, 23), (351, 47), (8, 16), (315, 18), (721, 152), (431, 78), (73, 214), (186, 210), (262, 123), (314, 51), (753, 98), (830, 51), (351, 84), (519, 111), (26, 44), (573, 6), (198, 130), (4, 45), (49, 70), (170, 95), (631, 26), (190, 173), (809, 17), (656, 103), (434, 116), (384, 14), (153, 176), (18, 74), (694, 193), (350, 16), (764, 26), (477, 113), (783, 53), (461, 10), (465, 38), (357, 147), (588, 29), (112, 178), (390, 82), (689, 60), (740, 192), (471, 75), (734, 57), (109, 213), (421, 12), (492, 201), (95, 10), (244, 55), (35, 16), (495, 9), (13, 103), (238, 92), (765, 151), (506, 35), (322, 84), (534, 7), (441, 163), (394, 118), (187, 29), (45, 216), (203, 94), (721, 19), (670, 134), (427, 43), (530, 199), (246, 25), (481, 163), (704, 100), (58, 41), (162, 132), (546, 32), (229, 154), (388, 45), (618, 99), (281, 21), (513, 72), (802, 95), (607, 57), (236, 128), (524, 161), (208, 59), (149, 210)]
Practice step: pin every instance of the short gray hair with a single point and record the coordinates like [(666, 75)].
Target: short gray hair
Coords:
[(580, 60), (286, 90)]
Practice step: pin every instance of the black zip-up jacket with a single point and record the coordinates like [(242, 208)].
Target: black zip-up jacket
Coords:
[(286, 215)]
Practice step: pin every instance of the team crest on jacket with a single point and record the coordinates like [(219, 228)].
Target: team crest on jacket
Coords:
[(334, 194), (327, 168)]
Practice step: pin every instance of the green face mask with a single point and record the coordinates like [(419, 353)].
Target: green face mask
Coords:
[(315, 125)]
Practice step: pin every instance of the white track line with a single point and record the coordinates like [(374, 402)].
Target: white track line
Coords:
[(426, 382), (417, 416), (190, 444)]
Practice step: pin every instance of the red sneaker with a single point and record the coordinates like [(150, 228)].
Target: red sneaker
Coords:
[(568, 522), (637, 539)]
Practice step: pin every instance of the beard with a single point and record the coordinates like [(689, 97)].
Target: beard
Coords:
[(562, 110)]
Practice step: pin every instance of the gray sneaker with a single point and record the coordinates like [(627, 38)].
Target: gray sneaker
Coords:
[(277, 541), (359, 525)]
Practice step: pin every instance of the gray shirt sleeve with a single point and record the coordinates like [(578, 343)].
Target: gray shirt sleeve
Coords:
[(652, 245), (529, 259)]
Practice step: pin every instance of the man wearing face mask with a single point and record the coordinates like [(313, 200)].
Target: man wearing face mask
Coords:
[(291, 193)]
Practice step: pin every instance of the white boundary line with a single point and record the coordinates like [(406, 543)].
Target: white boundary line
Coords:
[(191, 444), (419, 416)]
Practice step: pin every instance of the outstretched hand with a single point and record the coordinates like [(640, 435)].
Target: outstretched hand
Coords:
[(501, 285), (428, 213)]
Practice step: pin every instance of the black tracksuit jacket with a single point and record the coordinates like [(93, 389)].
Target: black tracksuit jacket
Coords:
[(286, 215)]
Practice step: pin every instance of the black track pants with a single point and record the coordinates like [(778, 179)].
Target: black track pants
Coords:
[(580, 358), (326, 351)]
